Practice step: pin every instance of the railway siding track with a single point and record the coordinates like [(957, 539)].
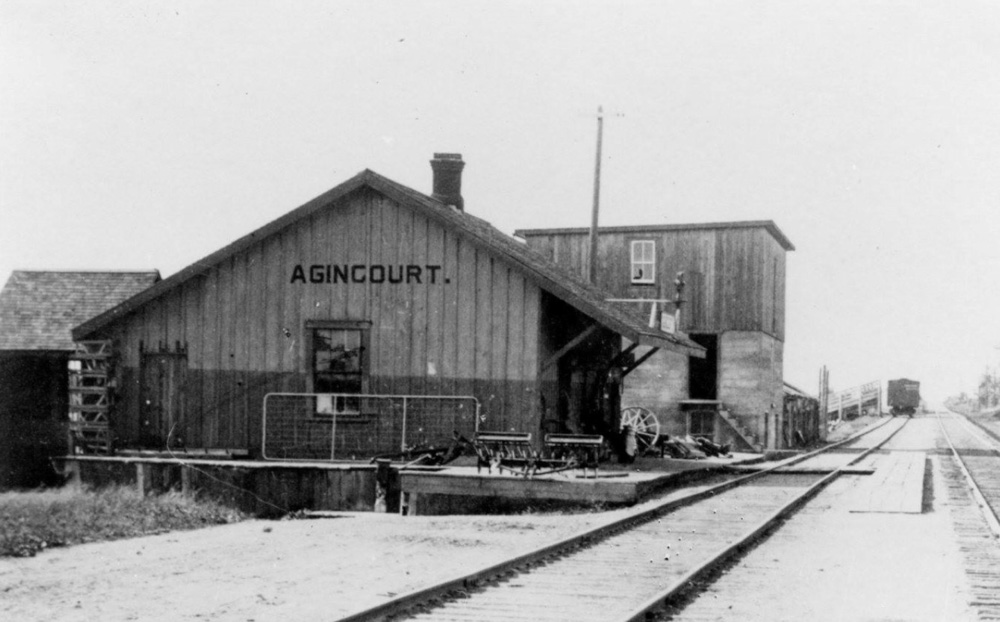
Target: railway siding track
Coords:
[(627, 569), (973, 478), (977, 456)]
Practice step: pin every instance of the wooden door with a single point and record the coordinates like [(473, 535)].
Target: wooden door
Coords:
[(703, 374), (161, 393)]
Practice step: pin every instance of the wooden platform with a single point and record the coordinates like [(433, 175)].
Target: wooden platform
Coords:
[(461, 490), (896, 486), (274, 488), (255, 486)]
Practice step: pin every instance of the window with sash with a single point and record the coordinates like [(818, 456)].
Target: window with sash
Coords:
[(338, 359), (643, 261)]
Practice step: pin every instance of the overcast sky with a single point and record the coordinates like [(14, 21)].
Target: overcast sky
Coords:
[(148, 135)]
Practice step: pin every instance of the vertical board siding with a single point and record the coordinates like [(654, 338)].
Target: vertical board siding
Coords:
[(780, 294), (357, 247), (338, 246), (291, 298), (387, 317), (436, 320), (378, 254), (500, 341), (304, 243), (450, 326), (404, 311), (734, 289), (472, 332), (257, 309), (192, 386), (418, 294), (467, 338), (157, 324), (484, 331), (275, 341), (220, 404), (174, 328), (210, 339)]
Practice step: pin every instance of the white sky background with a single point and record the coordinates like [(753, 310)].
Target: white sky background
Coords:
[(148, 135)]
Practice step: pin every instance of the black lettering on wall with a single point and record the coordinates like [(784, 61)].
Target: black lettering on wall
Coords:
[(433, 270), (413, 274), (369, 273), (355, 269), (340, 274), (315, 273), (399, 275)]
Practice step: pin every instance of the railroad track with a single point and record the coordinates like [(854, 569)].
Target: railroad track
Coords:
[(990, 431), (976, 450), (628, 569), (973, 480)]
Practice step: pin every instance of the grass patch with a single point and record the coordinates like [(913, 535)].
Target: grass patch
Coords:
[(33, 521)]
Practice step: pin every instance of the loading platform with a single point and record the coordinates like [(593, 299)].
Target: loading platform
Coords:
[(463, 490), (273, 488)]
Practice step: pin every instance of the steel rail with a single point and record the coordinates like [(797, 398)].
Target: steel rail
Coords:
[(989, 513), (979, 425), (728, 552), (466, 581)]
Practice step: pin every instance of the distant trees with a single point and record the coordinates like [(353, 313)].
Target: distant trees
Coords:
[(962, 403), (989, 390), (987, 395)]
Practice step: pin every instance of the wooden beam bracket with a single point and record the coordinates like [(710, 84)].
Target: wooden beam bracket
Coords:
[(574, 342), (642, 359)]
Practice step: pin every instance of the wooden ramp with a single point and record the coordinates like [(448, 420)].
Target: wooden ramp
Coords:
[(896, 486), (463, 490)]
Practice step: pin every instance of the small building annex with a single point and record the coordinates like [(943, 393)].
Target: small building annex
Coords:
[(286, 343), (38, 309), (733, 304)]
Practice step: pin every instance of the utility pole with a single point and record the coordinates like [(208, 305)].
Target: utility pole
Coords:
[(995, 385), (592, 258)]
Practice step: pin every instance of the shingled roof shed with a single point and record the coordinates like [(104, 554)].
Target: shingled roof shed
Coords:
[(38, 309)]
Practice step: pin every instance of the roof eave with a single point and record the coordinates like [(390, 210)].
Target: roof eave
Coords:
[(400, 195), (668, 342), (662, 340), (200, 267), (768, 225), (38, 353)]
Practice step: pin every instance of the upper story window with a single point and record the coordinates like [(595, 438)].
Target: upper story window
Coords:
[(339, 365), (643, 261)]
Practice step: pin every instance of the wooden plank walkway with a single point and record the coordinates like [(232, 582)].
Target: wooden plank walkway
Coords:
[(896, 486)]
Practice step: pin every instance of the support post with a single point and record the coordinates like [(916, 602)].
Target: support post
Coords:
[(592, 258), (383, 473)]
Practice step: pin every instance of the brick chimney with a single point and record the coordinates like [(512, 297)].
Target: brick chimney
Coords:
[(448, 179)]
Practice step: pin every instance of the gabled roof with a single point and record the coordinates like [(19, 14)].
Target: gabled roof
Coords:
[(793, 390), (742, 224), (547, 275), (38, 309)]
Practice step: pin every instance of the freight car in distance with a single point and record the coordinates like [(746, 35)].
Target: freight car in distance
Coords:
[(903, 397)]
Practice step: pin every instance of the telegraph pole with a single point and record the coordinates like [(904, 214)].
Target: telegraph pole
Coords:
[(592, 267)]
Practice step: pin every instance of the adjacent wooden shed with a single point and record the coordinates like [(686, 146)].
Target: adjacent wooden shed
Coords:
[(370, 289), (733, 304), (38, 309)]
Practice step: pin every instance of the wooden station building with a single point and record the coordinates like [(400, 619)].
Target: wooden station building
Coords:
[(38, 309), (370, 289), (733, 304)]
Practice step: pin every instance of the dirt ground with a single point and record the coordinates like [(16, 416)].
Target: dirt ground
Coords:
[(317, 569), (830, 563)]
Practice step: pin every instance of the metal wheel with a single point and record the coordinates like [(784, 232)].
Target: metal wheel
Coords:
[(644, 423)]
